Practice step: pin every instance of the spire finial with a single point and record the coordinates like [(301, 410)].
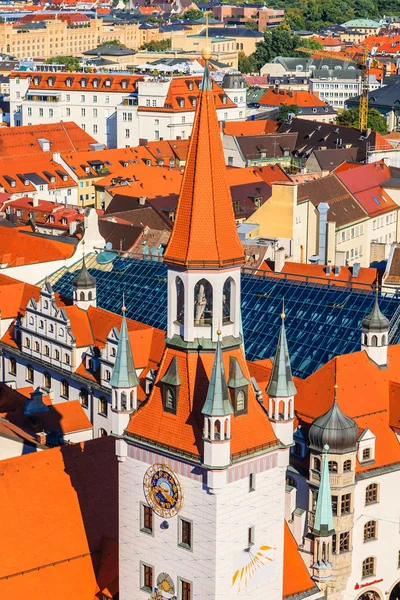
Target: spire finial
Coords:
[(206, 53), (335, 386), (123, 303), (283, 316)]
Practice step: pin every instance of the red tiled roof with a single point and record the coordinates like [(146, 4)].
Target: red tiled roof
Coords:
[(19, 248), (204, 232), (302, 99), (67, 493), (14, 175), (296, 578), (63, 137), (183, 431), (73, 81), (237, 128)]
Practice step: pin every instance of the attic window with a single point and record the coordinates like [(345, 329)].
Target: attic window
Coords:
[(224, 99), (63, 221), (51, 219), (68, 81), (50, 81), (84, 82), (36, 80), (26, 182), (108, 82), (181, 102), (194, 101), (375, 199), (124, 84), (87, 169), (95, 83), (65, 177), (190, 85)]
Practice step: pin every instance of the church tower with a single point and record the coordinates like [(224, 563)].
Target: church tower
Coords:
[(202, 473)]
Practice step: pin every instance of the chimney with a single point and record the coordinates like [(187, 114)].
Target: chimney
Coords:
[(41, 437), (322, 208), (35, 201), (336, 270), (290, 94), (72, 227), (142, 200), (328, 270), (279, 260)]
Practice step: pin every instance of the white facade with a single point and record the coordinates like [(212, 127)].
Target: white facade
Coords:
[(220, 544), (335, 90)]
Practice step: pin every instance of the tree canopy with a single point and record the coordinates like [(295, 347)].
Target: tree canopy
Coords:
[(70, 62), (285, 110), (246, 64), (350, 118), (192, 14), (277, 42), (157, 46)]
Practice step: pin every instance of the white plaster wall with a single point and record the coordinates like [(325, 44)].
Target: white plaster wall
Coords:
[(11, 448), (220, 529), (78, 436), (386, 548)]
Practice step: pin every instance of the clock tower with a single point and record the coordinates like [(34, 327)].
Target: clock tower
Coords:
[(202, 472)]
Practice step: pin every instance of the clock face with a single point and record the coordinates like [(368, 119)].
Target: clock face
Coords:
[(163, 491)]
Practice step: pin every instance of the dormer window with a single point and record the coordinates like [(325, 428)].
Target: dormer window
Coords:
[(13, 183), (171, 383), (95, 83), (124, 84), (87, 169), (36, 80), (366, 454), (190, 85), (50, 81), (224, 99), (194, 101), (51, 219), (83, 82), (108, 82), (181, 102), (26, 181), (63, 221), (238, 387), (68, 81), (65, 177)]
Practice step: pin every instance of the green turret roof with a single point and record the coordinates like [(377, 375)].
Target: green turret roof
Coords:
[(217, 402), (323, 524), (124, 374), (281, 382)]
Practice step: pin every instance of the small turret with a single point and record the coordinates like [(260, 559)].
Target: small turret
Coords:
[(217, 411), (281, 390), (84, 288), (375, 334), (323, 526), (124, 381)]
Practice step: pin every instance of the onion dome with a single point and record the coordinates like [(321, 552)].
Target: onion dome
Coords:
[(84, 279), (375, 320), (335, 429)]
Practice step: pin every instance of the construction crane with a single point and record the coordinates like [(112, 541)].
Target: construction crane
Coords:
[(365, 62)]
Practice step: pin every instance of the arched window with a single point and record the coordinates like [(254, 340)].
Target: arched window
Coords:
[(102, 432), (124, 404), (113, 352), (12, 366), (27, 343), (29, 373), (47, 350), (228, 297), (368, 566), (170, 399), (108, 375), (57, 354), (371, 494), (365, 339), (51, 328), (81, 296), (384, 340), (37, 347), (46, 304), (47, 381), (90, 296), (67, 359), (291, 482), (31, 321), (84, 397), (240, 401), (217, 430), (374, 340), (203, 303), (370, 531), (180, 300), (41, 324), (332, 466), (103, 405), (317, 464), (346, 466), (64, 388)]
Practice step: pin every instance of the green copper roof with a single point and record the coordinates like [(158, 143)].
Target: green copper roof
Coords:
[(281, 382), (124, 374), (236, 377), (323, 524), (206, 83), (217, 402), (172, 377), (375, 320)]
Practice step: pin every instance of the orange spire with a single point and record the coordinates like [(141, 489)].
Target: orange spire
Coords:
[(204, 233)]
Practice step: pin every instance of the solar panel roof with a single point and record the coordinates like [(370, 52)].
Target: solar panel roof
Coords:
[(322, 321)]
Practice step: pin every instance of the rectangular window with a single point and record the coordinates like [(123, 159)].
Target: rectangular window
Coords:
[(95, 128), (334, 505), (147, 102), (83, 98), (124, 116), (68, 112), (344, 542), (68, 97), (94, 99), (154, 103), (250, 536), (83, 112), (51, 112), (334, 544), (29, 112), (146, 519), (185, 534), (95, 112), (156, 135), (156, 121), (185, 589), (147, 578), (127, 133), (345, 504), (252, 482)]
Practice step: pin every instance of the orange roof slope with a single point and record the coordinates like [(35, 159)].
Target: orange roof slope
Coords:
[(296, 578), (184, 430), (74, 508), (237, 128), (20, 248), (276, 97), (205, 233)]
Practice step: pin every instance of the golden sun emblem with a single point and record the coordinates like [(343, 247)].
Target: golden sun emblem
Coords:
[(256, 561)]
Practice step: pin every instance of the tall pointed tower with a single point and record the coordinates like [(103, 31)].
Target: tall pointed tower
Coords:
[(202, 473)]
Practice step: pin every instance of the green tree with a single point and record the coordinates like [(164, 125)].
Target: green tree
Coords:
[(350, 118), (112, 43), (71, 62), (285, 110), (192, 14), (251, 25), (277, 42), (311, 44), (157, 46), (246, 64)]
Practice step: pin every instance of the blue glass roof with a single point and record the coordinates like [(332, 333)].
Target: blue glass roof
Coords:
[(322, 321)]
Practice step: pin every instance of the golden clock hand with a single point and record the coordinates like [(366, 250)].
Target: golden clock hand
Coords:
[(165, 494)]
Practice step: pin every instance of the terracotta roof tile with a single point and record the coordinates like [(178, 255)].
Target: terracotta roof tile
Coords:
[(302, 99), (73, 81), (296, 578), (258, 127), (19, 248), (204, 231)]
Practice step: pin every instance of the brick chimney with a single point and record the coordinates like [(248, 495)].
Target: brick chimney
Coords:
[(41, 437)]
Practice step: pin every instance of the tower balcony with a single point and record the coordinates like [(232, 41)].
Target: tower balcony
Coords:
[(336, 480)]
